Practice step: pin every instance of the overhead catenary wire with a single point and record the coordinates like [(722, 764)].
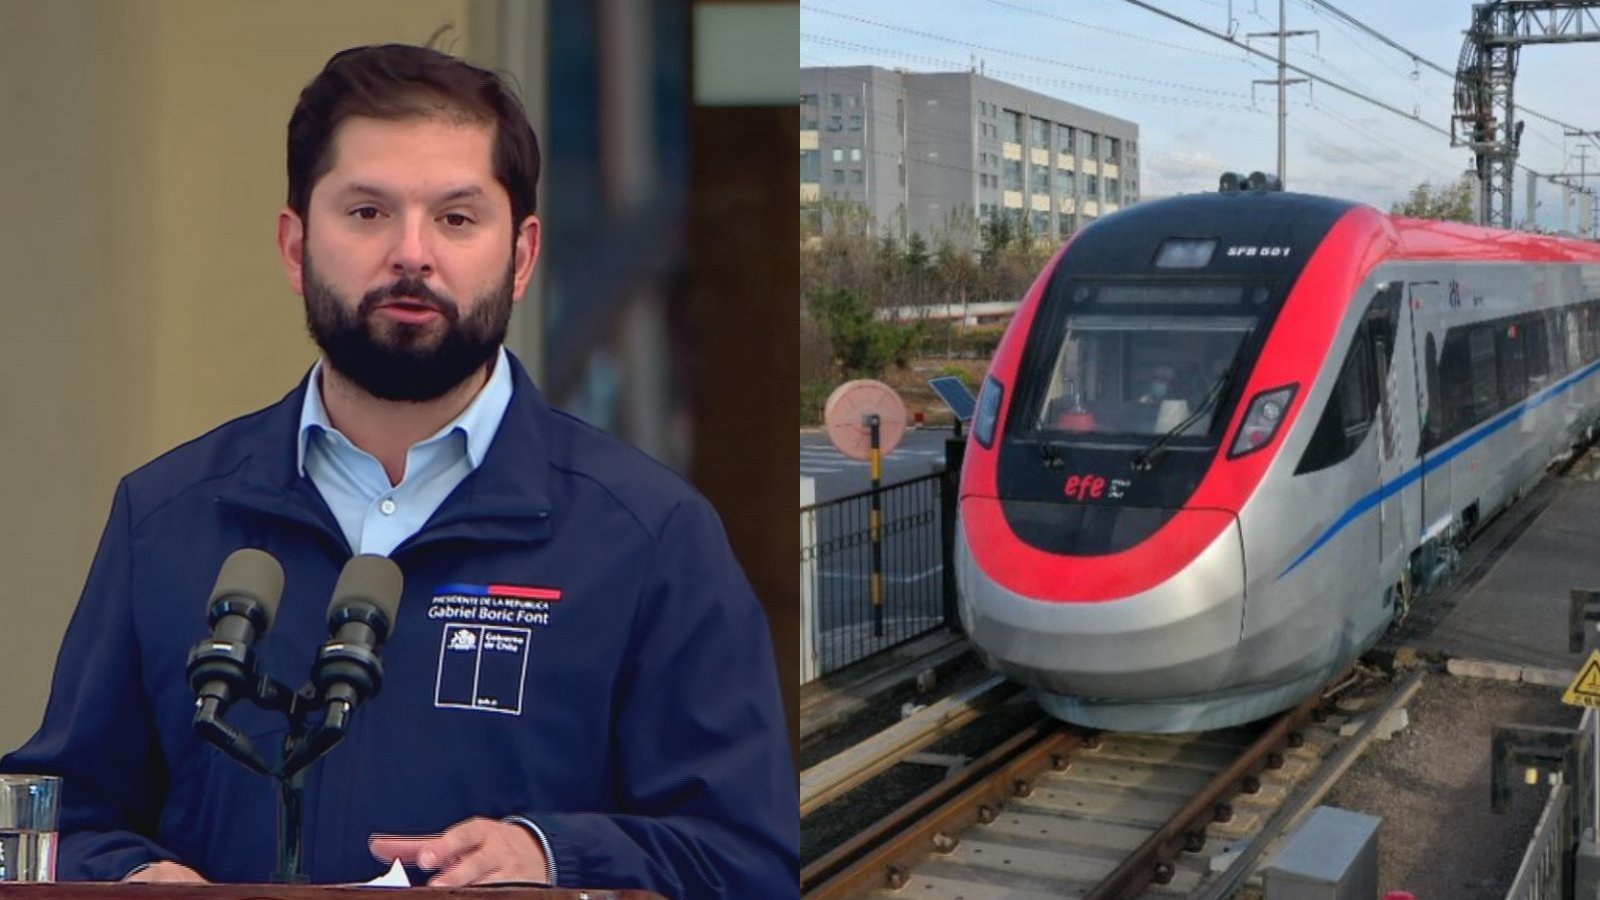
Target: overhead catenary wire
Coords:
[(1090, 26), (1431, 167), (887, 119), (950, 65), (1434, 168), (1348, 29), (1167, 14), (1421, 60), (1378, 35), (1320, 79), (1364, 159), (1347, 32), (1041, 60)]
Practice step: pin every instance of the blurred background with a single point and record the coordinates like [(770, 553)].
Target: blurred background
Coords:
[(142, 170)]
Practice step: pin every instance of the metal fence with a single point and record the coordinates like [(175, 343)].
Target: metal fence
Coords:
[(1544, 872), (838, 619)]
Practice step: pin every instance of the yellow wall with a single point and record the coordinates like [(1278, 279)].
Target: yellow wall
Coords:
[(142, 169)]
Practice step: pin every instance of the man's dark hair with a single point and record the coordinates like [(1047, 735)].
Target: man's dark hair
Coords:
[(401, 81)]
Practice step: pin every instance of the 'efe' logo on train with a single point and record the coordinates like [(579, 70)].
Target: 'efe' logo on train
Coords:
[(1094, 487)]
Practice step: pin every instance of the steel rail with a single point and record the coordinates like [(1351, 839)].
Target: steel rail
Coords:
[(882, 855), (833, 777), (1311, 793), (1151, 861)]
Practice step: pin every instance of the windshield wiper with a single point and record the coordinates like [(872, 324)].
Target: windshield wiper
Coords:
[(1053, 453), (1147, 459)]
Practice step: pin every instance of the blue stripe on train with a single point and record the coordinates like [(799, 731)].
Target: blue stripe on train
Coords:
[(1437, 459)]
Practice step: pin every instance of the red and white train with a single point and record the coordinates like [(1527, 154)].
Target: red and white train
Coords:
[(1229, 436)]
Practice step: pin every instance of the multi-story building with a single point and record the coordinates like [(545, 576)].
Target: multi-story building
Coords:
[(938, 152)]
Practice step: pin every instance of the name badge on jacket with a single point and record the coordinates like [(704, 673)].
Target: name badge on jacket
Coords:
[(483, 646)]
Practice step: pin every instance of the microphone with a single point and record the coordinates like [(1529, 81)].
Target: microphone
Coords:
[(243, 602), (361, 617), (242, 605)]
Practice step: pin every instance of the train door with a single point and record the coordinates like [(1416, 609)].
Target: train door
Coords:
[(1397, 509)]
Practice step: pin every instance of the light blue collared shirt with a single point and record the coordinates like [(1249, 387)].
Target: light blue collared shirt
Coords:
[(374, 515)]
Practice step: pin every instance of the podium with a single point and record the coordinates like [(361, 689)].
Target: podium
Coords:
[(97, 890)]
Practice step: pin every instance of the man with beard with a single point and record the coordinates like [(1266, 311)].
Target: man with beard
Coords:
[(579, 687)]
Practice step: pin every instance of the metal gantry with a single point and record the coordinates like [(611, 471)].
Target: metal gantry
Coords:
[(1484, 118)]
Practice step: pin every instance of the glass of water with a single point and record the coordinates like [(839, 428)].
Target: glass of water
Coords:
[(28, 810)]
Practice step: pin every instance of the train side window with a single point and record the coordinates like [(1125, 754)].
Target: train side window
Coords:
[(1537, 345), (1586, 324), (1553, 332), (1383, 321), (1579, 325), (1572, 326), (1347, 418), (1508, 339), (1455, 385), (1589, 321), (1487, 367), (1484, 398), (1435, 419)]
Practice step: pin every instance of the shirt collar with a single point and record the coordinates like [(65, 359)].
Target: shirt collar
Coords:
[(478, 422)]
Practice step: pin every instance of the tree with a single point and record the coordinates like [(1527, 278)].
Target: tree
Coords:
[(863, 346), (954, 269), (916, 254), (997, 233), (1451, 203)]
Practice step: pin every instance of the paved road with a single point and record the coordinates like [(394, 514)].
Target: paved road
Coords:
[(920, 452)]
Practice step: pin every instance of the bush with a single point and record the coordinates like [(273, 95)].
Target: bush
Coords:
[(816, 354), (863, 346), (980, 341), (958, 372)]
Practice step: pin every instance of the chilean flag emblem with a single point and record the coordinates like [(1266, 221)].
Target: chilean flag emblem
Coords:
[(521, 592)]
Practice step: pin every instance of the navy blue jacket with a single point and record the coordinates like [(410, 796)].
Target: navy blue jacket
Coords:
[(636, 718)]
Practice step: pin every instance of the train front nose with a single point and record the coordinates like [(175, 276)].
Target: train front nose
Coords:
[(1082, 644)]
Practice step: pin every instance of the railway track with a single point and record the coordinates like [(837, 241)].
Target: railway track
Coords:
[(1059, 812)]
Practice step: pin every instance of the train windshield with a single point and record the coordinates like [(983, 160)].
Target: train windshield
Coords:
[(1147, 360)]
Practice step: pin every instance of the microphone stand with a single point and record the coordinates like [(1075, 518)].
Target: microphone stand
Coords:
[(291, 836), (302, 746), (347, 672)]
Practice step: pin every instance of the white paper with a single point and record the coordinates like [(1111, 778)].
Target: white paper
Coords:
[(395, 877)]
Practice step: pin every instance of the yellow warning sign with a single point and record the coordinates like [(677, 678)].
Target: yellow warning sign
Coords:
[(1585, 689)]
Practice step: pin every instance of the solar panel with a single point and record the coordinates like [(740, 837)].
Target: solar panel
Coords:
[(955, 395)]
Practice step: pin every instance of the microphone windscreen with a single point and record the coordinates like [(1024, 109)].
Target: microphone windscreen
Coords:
[(250, 574), (369, 579)]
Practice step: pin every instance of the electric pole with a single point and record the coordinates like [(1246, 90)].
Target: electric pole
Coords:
[(1583, 173), (1283, 82), (1586, 194)]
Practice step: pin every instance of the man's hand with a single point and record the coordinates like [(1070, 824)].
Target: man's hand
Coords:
[(477, 851), (167, 872)]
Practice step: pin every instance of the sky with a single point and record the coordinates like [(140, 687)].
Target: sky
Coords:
[(1192, 95)]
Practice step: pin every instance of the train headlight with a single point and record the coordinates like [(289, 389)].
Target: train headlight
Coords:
[(988, 413), (1261, 421)]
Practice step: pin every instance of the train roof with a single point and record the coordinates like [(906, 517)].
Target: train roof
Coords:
[(1127, 243), (1432, 239), (1273, 233)]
